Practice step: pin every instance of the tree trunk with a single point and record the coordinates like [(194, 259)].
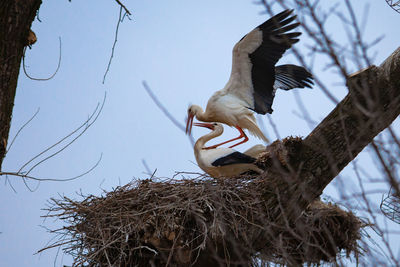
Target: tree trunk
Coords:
[(372, 104), (16, 17)]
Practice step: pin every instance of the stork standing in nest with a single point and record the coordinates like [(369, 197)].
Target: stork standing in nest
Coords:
[(254, 78), (224, 162)]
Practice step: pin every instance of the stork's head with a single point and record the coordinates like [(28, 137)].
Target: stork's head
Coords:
[(193, 111), (213, 126)]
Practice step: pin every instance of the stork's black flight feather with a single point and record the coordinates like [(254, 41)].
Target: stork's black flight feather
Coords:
[(233, 158), (291, 76), (275, 41)]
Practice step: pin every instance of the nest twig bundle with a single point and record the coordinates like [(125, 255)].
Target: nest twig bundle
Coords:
[(205, 222), (179, 223)]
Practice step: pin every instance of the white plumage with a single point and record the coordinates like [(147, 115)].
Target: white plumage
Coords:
[(224, 162), (254, 78)]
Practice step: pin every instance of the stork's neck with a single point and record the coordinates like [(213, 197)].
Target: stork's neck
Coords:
[(205, 138), (200, 114)]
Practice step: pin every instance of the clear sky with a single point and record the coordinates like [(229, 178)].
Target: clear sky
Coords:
[(183, 50)]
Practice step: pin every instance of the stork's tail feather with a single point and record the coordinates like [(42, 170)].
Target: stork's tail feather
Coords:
[(260, 135), (291, 76), (255, 131)]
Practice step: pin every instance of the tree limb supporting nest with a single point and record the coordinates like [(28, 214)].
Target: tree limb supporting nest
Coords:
[(273, 217)]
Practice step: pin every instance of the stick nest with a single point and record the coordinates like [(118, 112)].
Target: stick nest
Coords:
[(200, 222)]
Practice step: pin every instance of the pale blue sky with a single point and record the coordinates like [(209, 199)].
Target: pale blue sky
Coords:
[(183, 50)]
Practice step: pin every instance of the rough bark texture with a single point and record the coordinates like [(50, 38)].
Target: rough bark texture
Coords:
[(16, 17), (372, 104)]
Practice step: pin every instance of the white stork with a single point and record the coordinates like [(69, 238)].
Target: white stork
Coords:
[(224, 162), (254, 78)]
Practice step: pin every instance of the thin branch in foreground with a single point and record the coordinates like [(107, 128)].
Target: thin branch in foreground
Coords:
[(69, 143), (165, 111), (9, 182), (306, 115), (87, 124), (124, 7), (274, 127), (20, 129), (42, 79), (120, 20), (22, 175), (25, 174), (37, 16), (149, 172), (395, 5), (146, 166)]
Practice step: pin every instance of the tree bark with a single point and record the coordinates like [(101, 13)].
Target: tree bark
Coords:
[(372, 104), (16, 17)]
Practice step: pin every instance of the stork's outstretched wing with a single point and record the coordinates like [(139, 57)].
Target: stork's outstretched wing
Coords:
[(254, 58)]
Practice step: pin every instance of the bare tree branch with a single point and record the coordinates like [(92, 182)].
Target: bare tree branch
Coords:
[(124, 7), (165, 111), (23, 175), (120, 20), (84, 126), (42, 79), (20, 129)]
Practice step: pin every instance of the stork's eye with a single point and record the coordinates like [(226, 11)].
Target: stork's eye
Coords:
[(214, 124)]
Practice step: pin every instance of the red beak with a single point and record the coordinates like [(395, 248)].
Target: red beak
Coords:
[(205, 125), (189, 124)]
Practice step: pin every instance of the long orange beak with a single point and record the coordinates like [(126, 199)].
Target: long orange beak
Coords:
[(205, 125), (189, 124)]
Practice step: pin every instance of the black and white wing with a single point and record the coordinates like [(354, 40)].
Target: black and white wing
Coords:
[(254, 57), (233, 158), (291, 76)]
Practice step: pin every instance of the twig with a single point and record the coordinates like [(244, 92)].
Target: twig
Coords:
[(165, 111), (9, 182), (86, 123), (37, 15), (306, 116), (124, 7), (120, 20), (20, 129), (25, 174), (146, 166), (274, 127), (53, 179), (42, 79)]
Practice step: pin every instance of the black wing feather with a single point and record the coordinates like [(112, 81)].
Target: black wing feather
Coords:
[(291, 76), (233, 158), (276, 40)]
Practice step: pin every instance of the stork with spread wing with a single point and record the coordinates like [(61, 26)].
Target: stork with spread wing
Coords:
[(254, 78)]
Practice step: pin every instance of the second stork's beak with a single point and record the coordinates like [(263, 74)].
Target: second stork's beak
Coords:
[(205, 125), (189, 123)]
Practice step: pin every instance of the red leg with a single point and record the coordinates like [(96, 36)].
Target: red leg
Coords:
[(241, 142), (242, 134)]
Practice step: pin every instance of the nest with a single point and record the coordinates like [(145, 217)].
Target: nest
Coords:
[(203, 222), (151, 223)]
